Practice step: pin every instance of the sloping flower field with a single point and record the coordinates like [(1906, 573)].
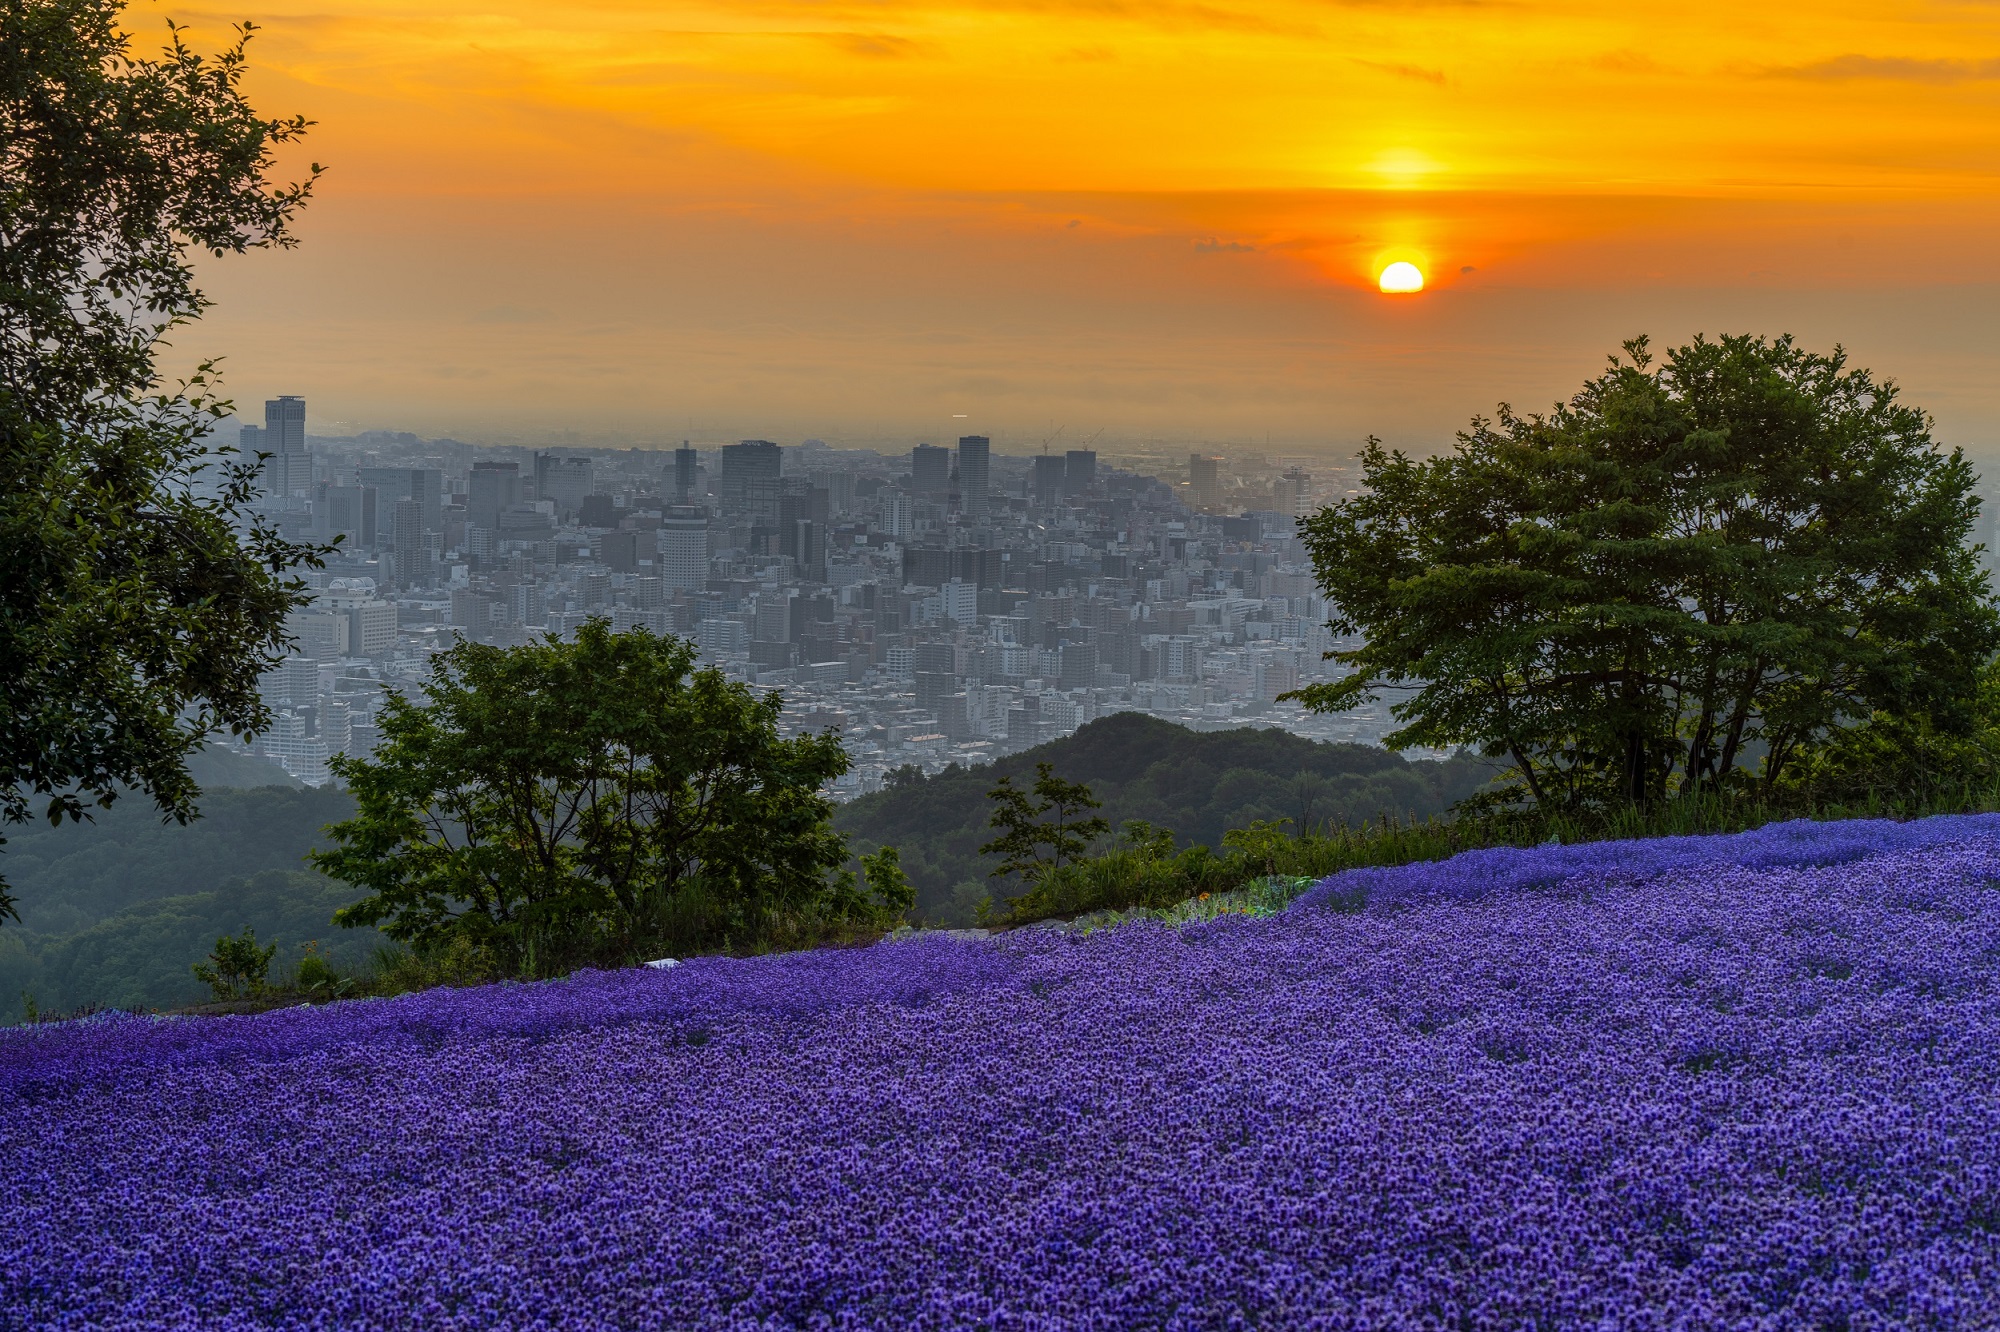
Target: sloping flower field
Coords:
[(1732, 1082)]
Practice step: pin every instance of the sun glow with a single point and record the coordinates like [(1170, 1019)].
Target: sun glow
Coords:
[(1401, 277)]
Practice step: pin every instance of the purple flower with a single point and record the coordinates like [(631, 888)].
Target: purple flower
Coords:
[(1729, 1082)]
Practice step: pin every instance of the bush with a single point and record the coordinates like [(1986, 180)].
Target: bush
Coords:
[(238, 967)]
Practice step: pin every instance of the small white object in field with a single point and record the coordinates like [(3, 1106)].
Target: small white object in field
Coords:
[(662, 963)]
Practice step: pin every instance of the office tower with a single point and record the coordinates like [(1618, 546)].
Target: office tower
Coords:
[(687, 462), (598, 511), (683, 548), (975, 476), (1205, 481), (347, 512), (749, 481), (494, 488), (1291, 492), (416, 548), (1051, 470), (288, 470), (930, 469), (422, 485), (565, 481), (839, 488), (1079, 470)]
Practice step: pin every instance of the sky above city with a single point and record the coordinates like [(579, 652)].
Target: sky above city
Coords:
[(1152, 218)]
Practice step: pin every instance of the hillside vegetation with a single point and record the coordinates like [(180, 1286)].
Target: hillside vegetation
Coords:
[(1198, 784), (117, 910)]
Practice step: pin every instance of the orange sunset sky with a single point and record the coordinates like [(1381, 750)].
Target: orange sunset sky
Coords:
[(645, 221)]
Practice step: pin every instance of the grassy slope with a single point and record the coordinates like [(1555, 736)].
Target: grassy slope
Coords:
[(1199, 784)]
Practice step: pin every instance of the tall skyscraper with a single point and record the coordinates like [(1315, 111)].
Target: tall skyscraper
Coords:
[(1079, 470), (687, 462), (975, 477), (494, 486), (288, 471), (1051, 471), (749, 480), (930, 469), (1205, 481), (415, 548)]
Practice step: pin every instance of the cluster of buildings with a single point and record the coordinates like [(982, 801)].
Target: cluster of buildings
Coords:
[(945, 605)]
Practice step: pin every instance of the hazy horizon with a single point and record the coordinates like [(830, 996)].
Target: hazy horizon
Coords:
[(784, 218)]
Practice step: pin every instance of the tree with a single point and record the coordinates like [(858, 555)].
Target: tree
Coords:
[(1044, 832), (1690, 568), (237, 966), (139, 597), (887, 883), (567, 802)]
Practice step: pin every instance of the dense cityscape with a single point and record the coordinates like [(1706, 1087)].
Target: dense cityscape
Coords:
[(946, 605)]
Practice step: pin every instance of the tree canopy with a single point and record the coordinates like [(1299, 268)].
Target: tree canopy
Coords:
[(568, 802), (1688, 577), (140, 597)]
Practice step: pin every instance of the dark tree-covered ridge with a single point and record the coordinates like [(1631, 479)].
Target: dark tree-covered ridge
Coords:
[(1200, 784)]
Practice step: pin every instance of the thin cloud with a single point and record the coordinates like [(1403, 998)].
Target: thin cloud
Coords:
[(874, 45), (1416, 73), (1896, 69)]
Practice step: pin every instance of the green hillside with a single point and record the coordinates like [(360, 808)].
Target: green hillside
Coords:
[(115, 911), (1199, 784)]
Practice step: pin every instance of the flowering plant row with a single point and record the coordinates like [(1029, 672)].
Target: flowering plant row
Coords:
[(1732, 1082)]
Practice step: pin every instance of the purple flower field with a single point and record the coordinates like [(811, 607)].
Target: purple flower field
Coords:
[(1729, 1082)]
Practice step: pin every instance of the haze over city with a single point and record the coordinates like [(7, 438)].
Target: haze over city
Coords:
[(904, 221)]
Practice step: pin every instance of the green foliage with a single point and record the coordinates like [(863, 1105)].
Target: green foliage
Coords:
[(1198, 783), (1725, 560), (890, 887), (563, 803), (1042, 834), (134, 620), (237, 966)]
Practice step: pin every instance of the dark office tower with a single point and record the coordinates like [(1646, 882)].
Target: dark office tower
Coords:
[(288, 471), (413, 546), (975, 456), (1080, 470), (930, 469), (687, 462), (1050, 471), (494, 487), (598, 511), (753, 465), (1205, 481)]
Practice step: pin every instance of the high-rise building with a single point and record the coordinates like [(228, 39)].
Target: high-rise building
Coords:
[(494, 487), (1079, 470), (683, 548), (288, 471), (687, 464), (423, 485), (1290, 492), (565, 481), (416, 549), (1205, 480), (930, 469), (347, 512), (749, 480), (975, 477), (1051, 473)]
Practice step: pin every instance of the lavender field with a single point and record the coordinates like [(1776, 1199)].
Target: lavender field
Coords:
[(1729, 1082)]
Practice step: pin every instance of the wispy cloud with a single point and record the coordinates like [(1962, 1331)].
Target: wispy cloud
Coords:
[(1896, 69), (1414, 72)]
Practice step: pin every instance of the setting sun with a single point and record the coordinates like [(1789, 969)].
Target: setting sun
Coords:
[(1401, 277)]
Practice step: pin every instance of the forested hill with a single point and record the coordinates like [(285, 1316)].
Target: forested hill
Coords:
[(1199, 784), (115, 911)]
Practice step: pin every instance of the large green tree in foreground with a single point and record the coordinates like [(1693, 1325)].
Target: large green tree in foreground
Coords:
[(563, 803), (1692, 576), (139, 600)]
